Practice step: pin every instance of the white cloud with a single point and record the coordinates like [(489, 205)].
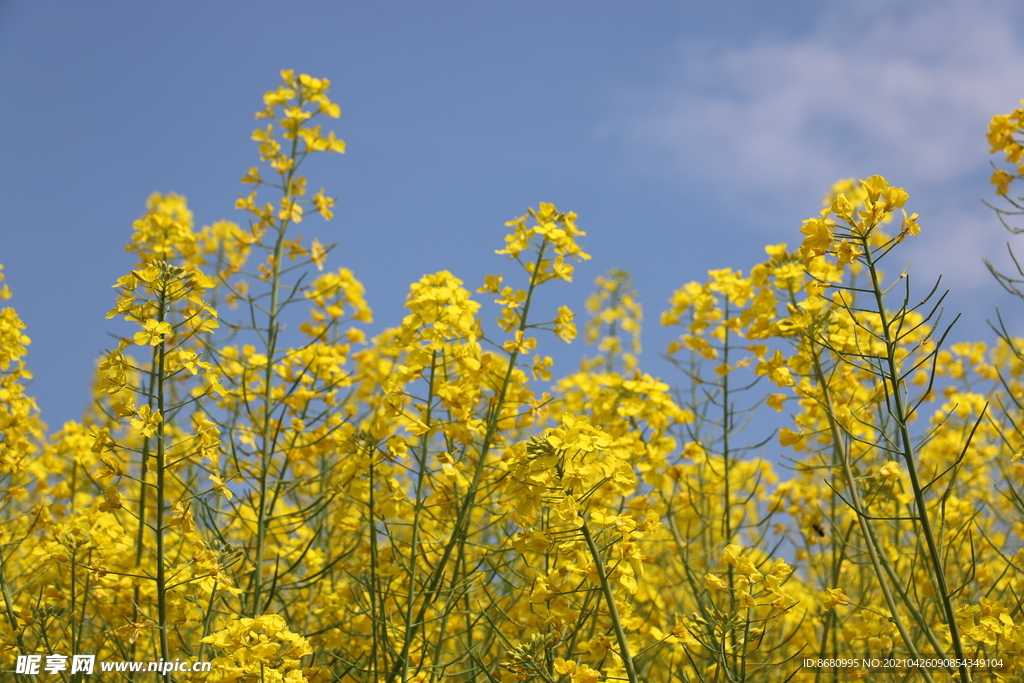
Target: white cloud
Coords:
[(908, 93), (905, 90)]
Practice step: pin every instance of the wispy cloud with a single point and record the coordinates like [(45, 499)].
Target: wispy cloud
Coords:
[(901, 89)]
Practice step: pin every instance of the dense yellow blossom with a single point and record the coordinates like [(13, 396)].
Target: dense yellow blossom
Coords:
[(824, 476)]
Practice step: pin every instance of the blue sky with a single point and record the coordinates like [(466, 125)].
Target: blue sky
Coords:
[(685, 135)]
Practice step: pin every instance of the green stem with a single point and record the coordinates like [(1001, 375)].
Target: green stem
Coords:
[(161, 485), (415, 540), (266, 441), (9, 609), (463, 516), (893, 378), (613, 610), (870, 542)]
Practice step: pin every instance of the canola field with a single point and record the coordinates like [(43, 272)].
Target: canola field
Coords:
[(442, 503)]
